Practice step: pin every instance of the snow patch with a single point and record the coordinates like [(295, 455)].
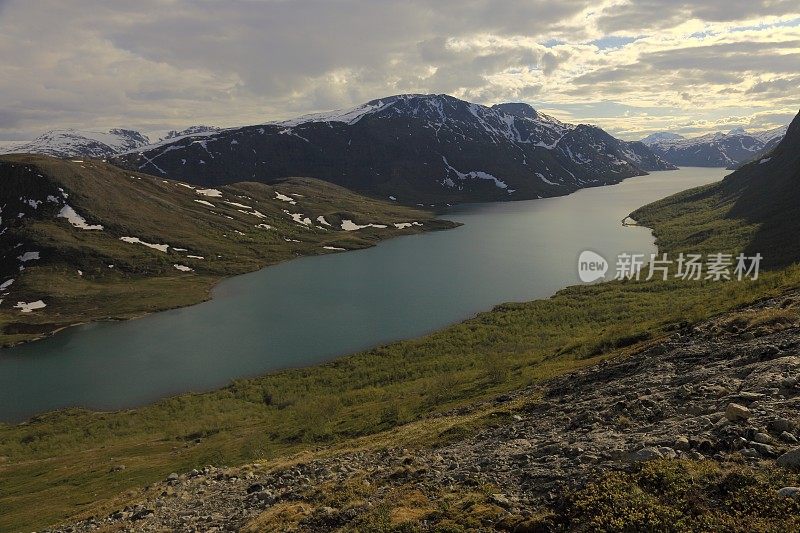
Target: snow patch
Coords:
[(300, 218), (75, 219), (29, 256), (284, 198), (213, 193), (474, 174), (137, 240), (349, 225), (209, 204), (183, 268), (238, 205), (31, 306)]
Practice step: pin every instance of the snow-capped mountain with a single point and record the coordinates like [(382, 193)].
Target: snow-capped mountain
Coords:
[(714, 149), (192, 130), (414, 148), (661, 136), (81, 143)]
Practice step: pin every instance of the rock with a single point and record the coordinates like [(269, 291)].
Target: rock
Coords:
[(789, 492), (117, 468), (750, 452), (141, 513), (173, 477), (501, 500), (681, 443), (788, 437), (255, 487), (764, 449), (763, 438), (790, 459), (750, 396), (735, 412), (647, 454), (779, 425), (667, 452)]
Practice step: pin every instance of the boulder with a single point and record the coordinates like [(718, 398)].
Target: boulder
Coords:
[(790, 459), (735, 412)]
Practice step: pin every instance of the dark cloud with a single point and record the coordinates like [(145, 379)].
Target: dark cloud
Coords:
[(654, 14), (164, 63)]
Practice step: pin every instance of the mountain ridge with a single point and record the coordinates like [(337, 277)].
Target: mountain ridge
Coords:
[(728, 150), (415, 148), (66, 143)]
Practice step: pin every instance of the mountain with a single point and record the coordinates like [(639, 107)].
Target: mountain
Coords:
[(192, 130), (661, 136), (415, 148), (755, 210), (80, 143), (86, 240), (767, 193), (714, 149)]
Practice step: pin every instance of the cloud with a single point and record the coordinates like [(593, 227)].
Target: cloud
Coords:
[(160, 64), (659, 14)]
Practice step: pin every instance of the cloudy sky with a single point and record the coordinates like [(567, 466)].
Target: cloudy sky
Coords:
[(630, 66)]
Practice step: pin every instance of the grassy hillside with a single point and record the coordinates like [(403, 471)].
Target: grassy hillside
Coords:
[(90, 274)]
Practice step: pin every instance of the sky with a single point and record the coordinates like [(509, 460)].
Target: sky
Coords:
[(632, 67)]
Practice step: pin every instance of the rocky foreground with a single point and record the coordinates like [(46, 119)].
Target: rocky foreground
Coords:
[(726, 391)]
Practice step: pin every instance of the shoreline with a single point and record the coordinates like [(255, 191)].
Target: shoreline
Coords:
[(447, 225)]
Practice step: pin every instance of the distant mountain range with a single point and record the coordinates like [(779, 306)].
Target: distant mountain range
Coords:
[(67, 143), (412, 148), (81, 143), (729, 150)]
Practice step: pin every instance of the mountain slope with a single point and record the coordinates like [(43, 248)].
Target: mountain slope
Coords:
[(87, 241), (80, 143), (715, 149), (756, 209), (415, 148)]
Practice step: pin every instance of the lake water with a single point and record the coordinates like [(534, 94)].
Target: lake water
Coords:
[(313, 309)]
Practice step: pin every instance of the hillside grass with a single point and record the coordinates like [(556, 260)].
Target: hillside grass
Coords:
[(60, 464), (664, 495), (122, 280)]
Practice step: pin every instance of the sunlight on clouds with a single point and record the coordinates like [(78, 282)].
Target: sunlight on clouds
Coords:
[(631, 66)]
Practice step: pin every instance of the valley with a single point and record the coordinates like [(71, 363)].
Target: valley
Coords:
[(400, 267), (399, 289)]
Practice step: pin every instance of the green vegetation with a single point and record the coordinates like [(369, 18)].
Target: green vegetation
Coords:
[(225, 238), (60, 464), (669, 496), (682, 496)]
